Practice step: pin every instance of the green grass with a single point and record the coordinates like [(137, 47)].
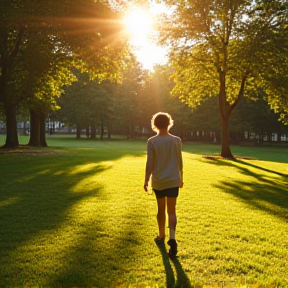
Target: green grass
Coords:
[(75, 215)]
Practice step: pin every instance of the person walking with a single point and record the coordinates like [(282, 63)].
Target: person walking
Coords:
[(165, 164)]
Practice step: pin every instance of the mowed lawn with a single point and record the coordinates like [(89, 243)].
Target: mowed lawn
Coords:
[(75, 215)]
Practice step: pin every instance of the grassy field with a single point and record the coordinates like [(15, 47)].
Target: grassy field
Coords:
[(75, 215)]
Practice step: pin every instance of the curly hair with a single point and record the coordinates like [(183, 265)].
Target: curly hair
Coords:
[(161, 120)]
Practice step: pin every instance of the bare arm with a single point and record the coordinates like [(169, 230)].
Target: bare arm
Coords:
[(180, 164), (149, 165)]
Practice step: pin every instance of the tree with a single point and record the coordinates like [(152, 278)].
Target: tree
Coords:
[(87, 103), (130, 98), (227, 49), (83, 30), (42, 71)]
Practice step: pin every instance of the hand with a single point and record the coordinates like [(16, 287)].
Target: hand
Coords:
[(146, 186), (181, 184)]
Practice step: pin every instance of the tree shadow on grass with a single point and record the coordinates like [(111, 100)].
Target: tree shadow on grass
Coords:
[(44, 239), (232, 163), (260, 168), (269, 191), (273, 154), (182, 279), (36, 203), (103, 256)]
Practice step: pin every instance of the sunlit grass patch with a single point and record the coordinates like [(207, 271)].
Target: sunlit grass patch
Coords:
[(82, 219)]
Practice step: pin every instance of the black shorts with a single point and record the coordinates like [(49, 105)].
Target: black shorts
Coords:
[(169, 192)]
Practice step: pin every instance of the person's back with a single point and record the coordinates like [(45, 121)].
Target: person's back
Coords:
[(166, 151), (164, 163)]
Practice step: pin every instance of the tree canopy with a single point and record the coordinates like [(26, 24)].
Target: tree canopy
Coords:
[(41, 41), (228, 49)]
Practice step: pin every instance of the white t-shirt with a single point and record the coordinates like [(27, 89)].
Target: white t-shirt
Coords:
[(164, 161)]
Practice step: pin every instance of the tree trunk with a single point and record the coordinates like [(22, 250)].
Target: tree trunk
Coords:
[(42, 118), (93, 131), (78, 132), (225, 141), (87, 131), (7, 60), (11, 127), (102, 130), (225, 113), (34, 129)]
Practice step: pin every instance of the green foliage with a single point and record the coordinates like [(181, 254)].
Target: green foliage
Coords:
[(127, 106), (131, 99), (84, 101), (42, 40), (213, 36), (255, 116), (229, 49)]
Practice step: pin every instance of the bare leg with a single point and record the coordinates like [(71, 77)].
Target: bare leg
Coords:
[(161, 216), (171, 209)]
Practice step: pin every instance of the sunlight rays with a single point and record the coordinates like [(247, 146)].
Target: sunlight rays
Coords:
[(137, 26), (140, 26)]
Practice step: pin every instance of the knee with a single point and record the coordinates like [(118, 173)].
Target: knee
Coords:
[(171, 212), (172, 216)]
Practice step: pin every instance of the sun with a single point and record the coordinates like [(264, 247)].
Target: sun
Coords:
[(139, 23)]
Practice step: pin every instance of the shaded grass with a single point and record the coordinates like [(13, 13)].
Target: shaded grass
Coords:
[(78, 217)]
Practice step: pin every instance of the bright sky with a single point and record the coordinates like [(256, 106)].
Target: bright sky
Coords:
[(139, 23)]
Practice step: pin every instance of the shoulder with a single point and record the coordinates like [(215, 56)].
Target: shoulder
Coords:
[(175, 138), (151, 139)]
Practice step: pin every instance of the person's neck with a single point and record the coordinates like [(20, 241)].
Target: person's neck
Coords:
[(163, 132)]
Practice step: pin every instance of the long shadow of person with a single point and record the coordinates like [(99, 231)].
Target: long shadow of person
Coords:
[(182, 279), (170, 279)]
